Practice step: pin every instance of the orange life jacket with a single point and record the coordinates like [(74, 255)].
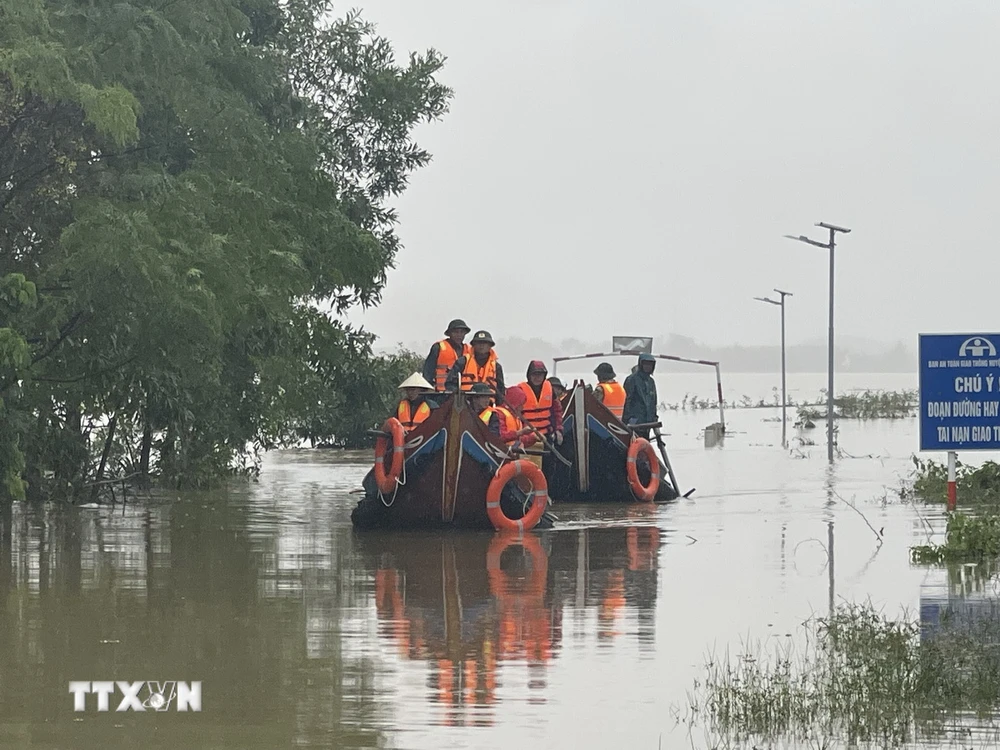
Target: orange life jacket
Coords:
[(614, 397), (509, 422), (446, 358), (473, 373), (410, 419), (538, 411)]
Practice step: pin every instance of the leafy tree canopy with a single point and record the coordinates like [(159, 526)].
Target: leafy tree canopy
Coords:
[(191, 191)]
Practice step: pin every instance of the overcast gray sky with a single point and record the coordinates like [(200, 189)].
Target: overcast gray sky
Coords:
[(630, 167)]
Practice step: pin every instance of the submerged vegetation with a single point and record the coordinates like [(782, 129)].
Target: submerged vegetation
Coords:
[(877, 404), (862, 678), (975, 485), (868, 404), (184, 220), (968, 539)]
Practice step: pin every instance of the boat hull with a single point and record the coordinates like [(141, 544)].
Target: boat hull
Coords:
[(449, 461), (591, 430)]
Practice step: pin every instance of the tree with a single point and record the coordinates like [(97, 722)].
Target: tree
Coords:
[(188, 184)]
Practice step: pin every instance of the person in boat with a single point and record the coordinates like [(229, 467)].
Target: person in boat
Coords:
[(481, 366), (414, 407), (445, 353), (496, 418), (558, 389), (503, 421), (640, 395), (542, 409), (609, 391)]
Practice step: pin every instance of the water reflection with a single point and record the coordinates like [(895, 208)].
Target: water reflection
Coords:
[(476, 608), (193, 589)]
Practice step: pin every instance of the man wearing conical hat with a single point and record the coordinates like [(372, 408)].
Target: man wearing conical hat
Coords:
[(414, 407)]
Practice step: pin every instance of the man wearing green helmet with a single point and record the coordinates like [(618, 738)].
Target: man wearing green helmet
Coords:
[(640, 395)]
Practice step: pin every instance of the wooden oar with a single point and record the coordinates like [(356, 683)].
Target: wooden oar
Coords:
[(666, 461), (655, 426), (545, 441)]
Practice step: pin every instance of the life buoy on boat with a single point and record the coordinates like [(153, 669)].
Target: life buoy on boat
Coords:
[(386, 481), (643, 492), (540, 495)]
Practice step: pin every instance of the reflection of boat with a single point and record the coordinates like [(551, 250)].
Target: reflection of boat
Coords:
[(599, 471), (470, 604), (465, 604), (448, 462)]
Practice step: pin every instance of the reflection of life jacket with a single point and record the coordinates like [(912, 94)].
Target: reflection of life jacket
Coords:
[(614, 397), (446, 358), (445, 692), (473, 373), (389, 606), (612, 604), (538, 411), (643, 545), (410, 419), (508, 422)]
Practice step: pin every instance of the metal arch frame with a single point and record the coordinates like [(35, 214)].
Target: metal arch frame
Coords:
[(669, 357)]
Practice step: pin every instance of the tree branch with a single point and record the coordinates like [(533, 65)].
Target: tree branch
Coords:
[(64, 333), (86, 375)]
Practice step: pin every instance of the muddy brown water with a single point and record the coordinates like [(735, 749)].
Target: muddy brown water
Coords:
[(306, 634)]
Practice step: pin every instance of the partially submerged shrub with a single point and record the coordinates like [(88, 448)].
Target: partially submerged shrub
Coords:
[(862, 678), (929, 482), (969, 539)]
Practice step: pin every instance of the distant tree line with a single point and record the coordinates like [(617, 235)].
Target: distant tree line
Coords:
[(191, 193), (515, 354)]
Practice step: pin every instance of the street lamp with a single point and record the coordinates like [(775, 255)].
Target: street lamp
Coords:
[(829, 385), (784, 396)]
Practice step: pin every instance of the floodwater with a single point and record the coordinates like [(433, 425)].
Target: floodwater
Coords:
[(305, 634)]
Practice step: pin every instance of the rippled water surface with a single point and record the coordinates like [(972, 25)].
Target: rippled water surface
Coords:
[(304, 633)]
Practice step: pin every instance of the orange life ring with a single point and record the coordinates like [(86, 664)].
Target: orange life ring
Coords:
[(499, 583), (507, 472), (647, 492), (386, 482)]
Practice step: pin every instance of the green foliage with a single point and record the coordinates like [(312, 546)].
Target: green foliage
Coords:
[(969, 539), (862, 678), (929, 482), (877, 404), (189, 185), (16, 293)]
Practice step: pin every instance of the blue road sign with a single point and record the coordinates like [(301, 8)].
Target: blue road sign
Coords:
[(960, 392)]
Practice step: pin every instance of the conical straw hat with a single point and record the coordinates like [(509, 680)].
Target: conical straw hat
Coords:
[(416, 380)]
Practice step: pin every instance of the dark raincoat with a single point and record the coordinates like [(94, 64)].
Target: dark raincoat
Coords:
[(640, 398)]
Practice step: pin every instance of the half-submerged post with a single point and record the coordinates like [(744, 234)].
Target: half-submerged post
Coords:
[(952, 483)]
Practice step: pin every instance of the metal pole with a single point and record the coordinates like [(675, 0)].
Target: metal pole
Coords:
[(829, 383), (829, 529), (784, 397), (722, 406)]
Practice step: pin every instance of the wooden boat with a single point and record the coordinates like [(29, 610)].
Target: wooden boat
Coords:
[(448, 463), (596, 442)]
